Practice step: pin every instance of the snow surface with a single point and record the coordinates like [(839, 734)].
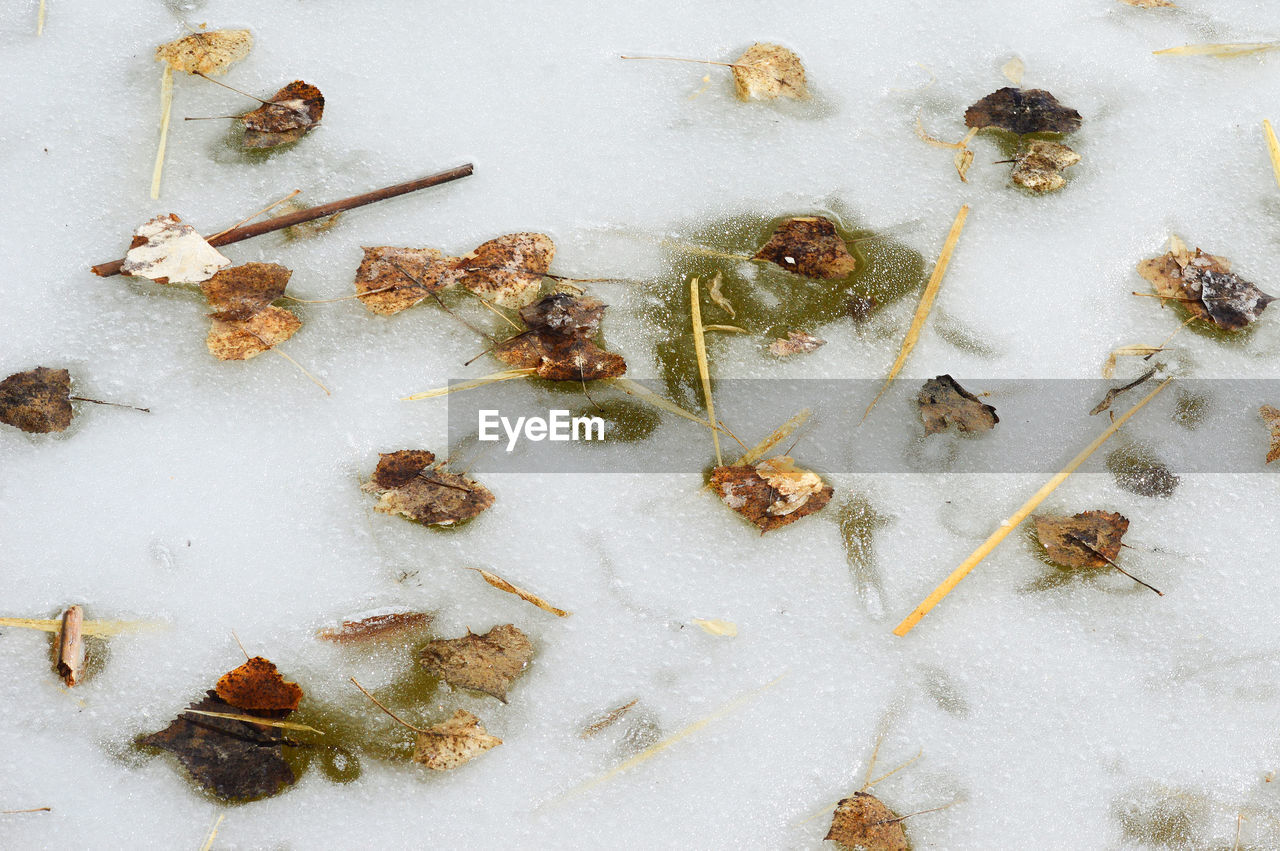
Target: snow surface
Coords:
[(1091, 715)]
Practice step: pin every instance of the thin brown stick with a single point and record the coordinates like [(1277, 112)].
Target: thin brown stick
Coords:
[(71, 646), (241, 643), (1082, 542), (232, 88), (112, 404), (378, 704), (249, 231), (684, 59), (32, 810)]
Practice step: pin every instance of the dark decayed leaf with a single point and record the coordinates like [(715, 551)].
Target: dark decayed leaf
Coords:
[(1205, 285), (1022, 111), (292, 111), (559, 341), (809, 246), (487, 663), (410, 486), (1087, 539), (772, 493), (944, 403), (862, 821), (37, 401)]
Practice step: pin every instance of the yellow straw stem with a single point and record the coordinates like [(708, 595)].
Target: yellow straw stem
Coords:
[(700, 347), (1273, 148), (166, 106)]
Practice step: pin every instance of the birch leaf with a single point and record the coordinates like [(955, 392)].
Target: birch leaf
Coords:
[(209, 53), (769, 71), (1087, 539), (244, 339), (410, 486), (487, 663), (862, 821), (809, 246), (258, 686), (168, 251), (453, 742), (291, 112), (37, 401), (944, 403)]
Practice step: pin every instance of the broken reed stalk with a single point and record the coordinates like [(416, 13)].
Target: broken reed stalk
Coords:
[(71, 646), (1223, 50), (88, 627), (213, 832), (926, 304), (775, 437), (528, 596), (948, 585), (249, 231), (166, 107), (1273, 148), (492, 378), (700, 348), (255, 719), (638, 390), (610, 718)]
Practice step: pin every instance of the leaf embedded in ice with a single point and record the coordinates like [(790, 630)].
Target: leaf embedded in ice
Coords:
[(1022, 111), (291, 112), (508, 270), (410, 486), (797, 342), (1087, 539), (168, 251), (559, 341), (767, 72), (1205, 286), (944, 403), (528, 596), (1038, 167), (381, 282), (772, 493), (1271, 416), (453, 742), (241, 291), (809, 246), (257, 686), (862, 821), (376, 627), (487, 663), (244, 339), (37, 401), (792, 484), (209, 53)]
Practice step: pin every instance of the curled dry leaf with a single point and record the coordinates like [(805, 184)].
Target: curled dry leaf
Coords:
[(767, 72), (771, 493), (1205, 285), (37, 401), (944, 403), (453, 742), (1271, 416), (559, 342), (209, 53), (241, 291), (410, 486), (291, 112), (809, 246), (797, 343), (257, 686), (862, 821), (235, 760), (376, 627), (1039, 165), (241, 340), (487, 663), (528, 596), (1088, 539), (168, 251), (1022, 111)]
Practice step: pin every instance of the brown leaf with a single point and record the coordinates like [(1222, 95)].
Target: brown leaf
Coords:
[(508, 270), (1271, 416), (558, 343), (235, 760), (944, 403), (251, 337), (772, 493), (37, 401), (208, 53), (241, 291), (453, 742), (769, 71), (797, 343), (293, 111), (168, 251), (256, 686), (1022, 111), (1205, 285), (409, 486), (376, 627), (487, 663), (862, 821), (1038, 166), (382, 287), (1072, 541), (810, 246)]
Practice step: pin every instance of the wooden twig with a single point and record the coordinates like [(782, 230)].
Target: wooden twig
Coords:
[(31, 810), (71, 646), (1100, 554), (249, 231), (112, 404), (949, 584), (1116, 391)]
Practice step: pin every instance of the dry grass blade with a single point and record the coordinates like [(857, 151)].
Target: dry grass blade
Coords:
[(492, 378), (300, 368), (1136, 350), (40, 19), (700, 348), (528, 596), (926, 303), (715, 626), (166, 107), (29, 810), (254, 719), (949, 584), (1273, 148), (633, 388), (734, 328), (775, 437), (89, 627), (1222, 51), (213, 833)]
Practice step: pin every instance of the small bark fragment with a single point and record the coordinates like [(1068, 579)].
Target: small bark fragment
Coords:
[(71, 646)]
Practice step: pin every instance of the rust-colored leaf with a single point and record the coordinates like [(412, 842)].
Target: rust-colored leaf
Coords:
[(1022, 111), (241, 340), (453, 742), (507, 270), (241, 291), (559, 341), (1088, 539), (487, 663), (944, 403), (809, 246), (772, 493), (291, 112), (376, 627), (37, 401), (257, 686), (862, 821), (409, 486), (767, 72), (1271, 416), (381, 282), (1205, 286)]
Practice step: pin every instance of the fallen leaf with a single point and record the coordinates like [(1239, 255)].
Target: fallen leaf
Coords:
[(769, 71), (241, 340), (257, 686), (235, 760), (718, 628), (809, 246), (1022, 111), (376, 627), (944, 403), (409, 486), (1271, 416), (1081, 540), (453, 742), (168, 251), (382, 287), (528, 596), (772, 493), (862, 821), (508, 270), (487, 663), (1013, 70), (288, 116), (1038, 166), (797, 342), (1205, 286), (209, 53), (717, 295), (37, 401), (241, 291), (558, 343)]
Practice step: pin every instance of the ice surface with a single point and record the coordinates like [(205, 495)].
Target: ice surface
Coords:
[(1086, 714)]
